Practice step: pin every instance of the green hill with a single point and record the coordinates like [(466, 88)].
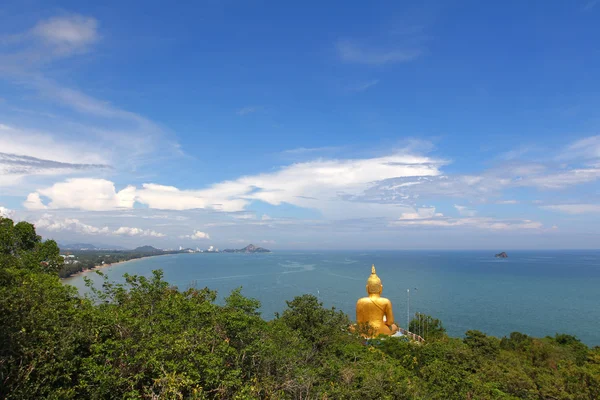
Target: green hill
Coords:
[(147, 249), (145, 339)]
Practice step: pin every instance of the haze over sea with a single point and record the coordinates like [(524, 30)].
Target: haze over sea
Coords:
[(535, 292)]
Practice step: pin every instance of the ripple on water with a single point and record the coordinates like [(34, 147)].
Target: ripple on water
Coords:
[(299, 267)]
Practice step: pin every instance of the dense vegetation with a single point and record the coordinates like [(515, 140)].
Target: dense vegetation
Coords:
[(146, 339)]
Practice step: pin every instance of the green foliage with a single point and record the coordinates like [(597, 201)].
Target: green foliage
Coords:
[(481, 344), (21, 247), (145, 339), (306, 315)]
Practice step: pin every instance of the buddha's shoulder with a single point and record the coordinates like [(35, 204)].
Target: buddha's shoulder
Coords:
[(368, 300), (363, 300)]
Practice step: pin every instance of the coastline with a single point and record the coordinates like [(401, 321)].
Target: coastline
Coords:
[(103, 266)]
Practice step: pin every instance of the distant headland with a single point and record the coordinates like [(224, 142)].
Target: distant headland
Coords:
[(248, 249), (83, 256)]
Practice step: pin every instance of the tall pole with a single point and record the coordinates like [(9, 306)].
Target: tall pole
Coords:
[(408, 310)]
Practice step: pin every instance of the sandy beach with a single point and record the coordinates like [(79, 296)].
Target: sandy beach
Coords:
[(99, 267)]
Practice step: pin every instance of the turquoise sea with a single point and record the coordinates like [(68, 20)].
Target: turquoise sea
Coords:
[(534, 292)]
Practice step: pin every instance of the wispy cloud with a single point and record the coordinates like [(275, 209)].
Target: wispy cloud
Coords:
[(48, 40), (507, 202), (248, 110), (590, 4), (311, 150), (465, 211), (12, 164), (354, 52), (68, 34), (586, 149), (26, 61), (427, 217), (574, 209), (363, 86)]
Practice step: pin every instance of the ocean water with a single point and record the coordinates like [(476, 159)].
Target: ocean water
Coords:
[(535, 292)]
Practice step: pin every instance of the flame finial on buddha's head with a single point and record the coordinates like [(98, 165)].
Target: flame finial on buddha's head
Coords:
[(374, 283)]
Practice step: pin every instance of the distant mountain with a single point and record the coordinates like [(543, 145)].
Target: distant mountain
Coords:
[(147, 249), (88, 246), (77, 246), (248, 249)]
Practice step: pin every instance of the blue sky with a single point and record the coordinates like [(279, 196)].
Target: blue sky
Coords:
[(395, 125)]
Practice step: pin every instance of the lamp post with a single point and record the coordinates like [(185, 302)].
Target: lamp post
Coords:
[(408, 310)]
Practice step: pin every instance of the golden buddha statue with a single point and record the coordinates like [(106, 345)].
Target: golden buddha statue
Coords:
[(374, 313)]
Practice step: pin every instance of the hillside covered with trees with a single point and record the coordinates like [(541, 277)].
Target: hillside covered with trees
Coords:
[(146, 339)]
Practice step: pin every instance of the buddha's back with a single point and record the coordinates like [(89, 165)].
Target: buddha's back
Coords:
[(372, 310)]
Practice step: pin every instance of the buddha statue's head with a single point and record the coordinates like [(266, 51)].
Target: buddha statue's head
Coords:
[(374, 285)]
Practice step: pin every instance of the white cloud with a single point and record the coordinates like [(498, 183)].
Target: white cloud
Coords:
[(470, 222), (507, 202), (53, 224), (34, 202), (465, 211), (321, 184), (6, 213), (49, 223), (574, 208), (420, 213), (197, 235), (128, 231), (353, 52), (83, 193), (220, 197)]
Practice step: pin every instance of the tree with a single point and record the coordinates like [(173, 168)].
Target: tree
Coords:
[(21, 247), (40, 328), (306, 315), (482, 344)]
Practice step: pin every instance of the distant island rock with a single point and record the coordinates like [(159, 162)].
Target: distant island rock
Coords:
[(501, 255), (248, 249)]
